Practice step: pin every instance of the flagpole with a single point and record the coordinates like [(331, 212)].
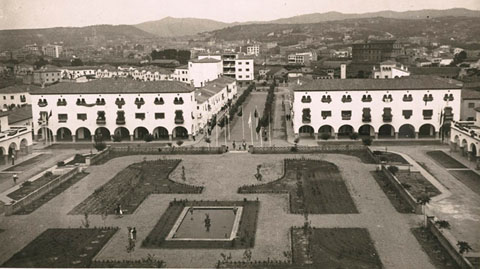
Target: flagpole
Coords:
[(261, 139), (228, 126), (216, 134), (269, 130), (251, 129)]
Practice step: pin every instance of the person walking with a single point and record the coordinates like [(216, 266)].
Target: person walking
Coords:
[(233, 145), (134, 233), (13, 159), (15, 178)]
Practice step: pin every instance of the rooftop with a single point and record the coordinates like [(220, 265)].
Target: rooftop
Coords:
[(19, 114), (205, 60), (470, 94), (435, 70), (85, 67), (115, 86), (211, 88), (18, 89), (405, 83)]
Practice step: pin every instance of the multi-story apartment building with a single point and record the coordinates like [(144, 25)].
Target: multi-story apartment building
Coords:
[(204, 69), (238, 66), (253, 49), (126, 108), (387, 108), (376, 51), (390, 69), (15, 96), (53, 51), (181, 74), (46, 76)]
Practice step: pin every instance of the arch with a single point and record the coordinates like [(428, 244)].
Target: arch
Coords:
[(306, 131), (180, 132), (102, 133), (139, 133), (64, 134), (83, 134), (366, 130), (426, 131), (473, 150), (386, 131), (122, 133), (24, 146), (406, 131), (160, 133), (345, 131), (47, 136), (464, 144), (326, 129), (3, 156), (456, 139)]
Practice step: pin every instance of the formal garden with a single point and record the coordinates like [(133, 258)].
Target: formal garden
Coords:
[(392, 193), (314, 187), (131, 186)]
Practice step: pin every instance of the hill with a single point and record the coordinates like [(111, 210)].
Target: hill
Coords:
[(70, 36), (171, 27)]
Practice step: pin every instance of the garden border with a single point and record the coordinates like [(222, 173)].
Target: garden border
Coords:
[(417, 208)]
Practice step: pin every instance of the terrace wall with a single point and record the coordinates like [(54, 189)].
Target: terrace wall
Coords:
[(401, 190), (326, 148), (20, 204), (448, 242)]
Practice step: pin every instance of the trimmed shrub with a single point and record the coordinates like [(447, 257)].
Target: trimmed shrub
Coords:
[(61, 163), (48, 174), (117, 138), (148, 138), (99, 146), (179, 143), (354, 136), (324, 136), (393, 169), (367, 141)]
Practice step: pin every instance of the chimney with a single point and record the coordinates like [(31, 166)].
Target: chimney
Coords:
[(343, 71)]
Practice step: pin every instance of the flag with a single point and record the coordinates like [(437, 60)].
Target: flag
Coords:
[(250, 120)]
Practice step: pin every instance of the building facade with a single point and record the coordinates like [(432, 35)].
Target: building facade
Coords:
[(238, 66), (46, 76), (15, 139), (204, 69), (465, 137), (376, 51), (123, 109), (15, 96), (390, 69), (253, 49), (53, 51), (388, 108)]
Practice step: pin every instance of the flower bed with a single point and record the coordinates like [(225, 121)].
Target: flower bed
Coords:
[(314, 187), (395, 198)]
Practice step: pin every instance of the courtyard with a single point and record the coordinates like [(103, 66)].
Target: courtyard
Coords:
[(363, 225)]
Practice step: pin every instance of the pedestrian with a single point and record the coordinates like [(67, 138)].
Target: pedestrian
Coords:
[(13, 159), (193, 136), (233, 144), (15, 177), (134, 233)]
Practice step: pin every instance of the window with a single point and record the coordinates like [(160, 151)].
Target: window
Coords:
[(120, 102), (387, 98), (4, 97), (140, 116), (101, 117), (248, 69), (159, 101), (178, 101), (61, 102), (62, 117), (407, 98), (239, 63), (471, 105), (240, 76), (326, 114), (346, 114), (139, 102), (247, 62), (159, 115), (346, 99), (407, 114), (12, 97), (427, 114), (427, 98), (366, 98), (326, 99), (448, 97), (306, 117), (306, 99), (240, 69), (387, 114), (366, 117), (179, 117), (120, 117), (82, 116)]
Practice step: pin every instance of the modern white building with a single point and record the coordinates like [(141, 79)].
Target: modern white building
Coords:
[(465, 137), (238, 66), (181, 74), (212, 97), (52, 50), (15, 96), (126, 108), (387, 108), (203, 70), (390, 69), (302, 58)]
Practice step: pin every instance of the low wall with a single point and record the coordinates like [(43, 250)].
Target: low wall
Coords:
[(374, 157), (168, 150), (448, 242), (307, 149), (401, 191), (20, 204), (98, 157)]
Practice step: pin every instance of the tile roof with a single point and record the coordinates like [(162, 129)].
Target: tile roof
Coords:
[(20, 114), (115, 86), (205, 60), (84, 67), (211, 88), (18, 89), (404, 83), (470, 94), (435, 70)]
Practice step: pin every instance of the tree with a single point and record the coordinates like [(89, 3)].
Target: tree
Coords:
[(393, 169), (76, 62), (459, 57), (463, 247), (424, 199), (179, 143), (41, 62), (443, 224), (148, 138)]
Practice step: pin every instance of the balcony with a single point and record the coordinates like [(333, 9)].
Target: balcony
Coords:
[(61, 102), (179, 120), (43, 103), (306, 99), (120, 121), (104, 121)]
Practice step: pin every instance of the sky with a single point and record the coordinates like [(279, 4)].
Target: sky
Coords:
[(21, 14)]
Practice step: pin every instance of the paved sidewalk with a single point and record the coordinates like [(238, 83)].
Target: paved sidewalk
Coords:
[(222, 175)]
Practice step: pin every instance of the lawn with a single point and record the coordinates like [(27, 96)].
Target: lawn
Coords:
[(62, 248), (430, 245), (397, 201), (444, 159), (390, 157), (469, 178), (416, 184), (25, 164), (245, 235), (314, 187), (28, 187), (334, 248), (50, 195), (132, 185)]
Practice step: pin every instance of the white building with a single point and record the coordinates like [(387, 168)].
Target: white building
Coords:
[(204, 69), (123, 107), (465, 136), (181, 74), (15, 139), (390, 69), (46, 76), (52, 50), (152, 73), (238, 66), (212, 97), (74, 72), (386, 108), (15, 96), (302, 58), (253, 49)]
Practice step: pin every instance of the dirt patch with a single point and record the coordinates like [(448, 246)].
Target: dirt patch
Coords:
[(416, 184)]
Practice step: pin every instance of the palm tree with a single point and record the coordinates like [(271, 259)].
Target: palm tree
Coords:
[(463, 247), (424, 199)]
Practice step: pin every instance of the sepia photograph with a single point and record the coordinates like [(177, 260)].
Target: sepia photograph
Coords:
[(254, 134)]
